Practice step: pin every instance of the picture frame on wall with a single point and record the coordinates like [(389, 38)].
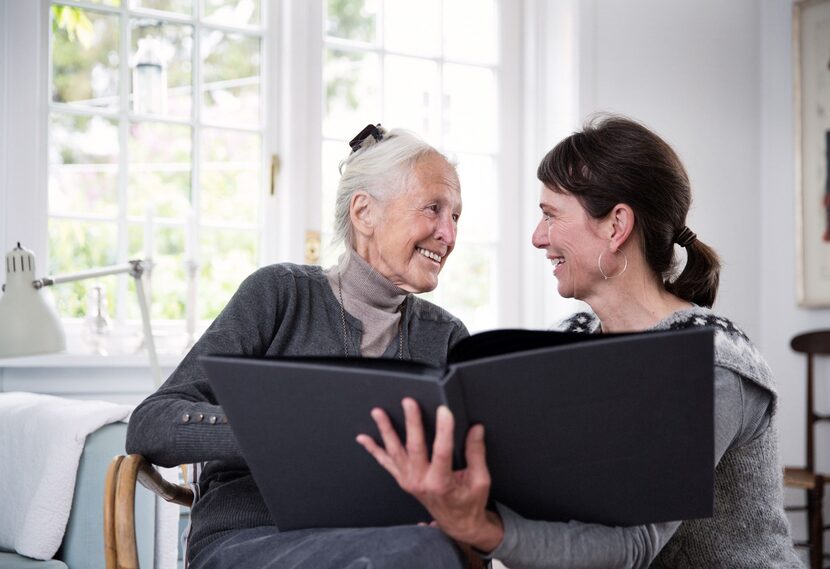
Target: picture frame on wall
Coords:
[(811, 45)]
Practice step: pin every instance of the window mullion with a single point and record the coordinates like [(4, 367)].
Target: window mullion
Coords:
[(123, 160), (266, 145), (103, 8), (380, 47), (191, 264)]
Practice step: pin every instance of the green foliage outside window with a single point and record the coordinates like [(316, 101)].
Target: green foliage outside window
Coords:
[(74, 22), (84, 159)]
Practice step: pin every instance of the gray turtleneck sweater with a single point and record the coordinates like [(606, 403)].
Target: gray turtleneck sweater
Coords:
[(281, 309), (371, 298)]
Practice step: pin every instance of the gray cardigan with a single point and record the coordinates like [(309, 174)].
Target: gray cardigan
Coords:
[(282, 309)]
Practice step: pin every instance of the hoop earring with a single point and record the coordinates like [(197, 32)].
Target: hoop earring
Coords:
[(599, 265)]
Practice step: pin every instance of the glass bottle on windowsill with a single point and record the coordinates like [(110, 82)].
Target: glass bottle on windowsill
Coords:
[(97, 323)]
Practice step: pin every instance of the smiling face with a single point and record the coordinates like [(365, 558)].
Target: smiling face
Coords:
[(411, 234), (571, 241)]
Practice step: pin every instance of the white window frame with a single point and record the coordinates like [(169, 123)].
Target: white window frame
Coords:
[(124, 116), (508, 297), (542, 59)]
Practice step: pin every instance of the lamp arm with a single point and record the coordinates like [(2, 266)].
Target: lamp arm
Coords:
[(135, 268), (148, 331)]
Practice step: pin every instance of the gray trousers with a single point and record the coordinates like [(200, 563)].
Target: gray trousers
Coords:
[(400, 547)]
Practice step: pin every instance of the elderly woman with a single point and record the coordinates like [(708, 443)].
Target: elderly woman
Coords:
[(398, 205), (614, 203)]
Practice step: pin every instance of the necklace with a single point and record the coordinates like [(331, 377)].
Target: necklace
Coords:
[(347, 338)]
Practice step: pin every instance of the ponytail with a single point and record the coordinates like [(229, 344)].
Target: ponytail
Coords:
[(698, 283)]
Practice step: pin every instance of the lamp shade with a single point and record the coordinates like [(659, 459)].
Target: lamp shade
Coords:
[(29, 323)]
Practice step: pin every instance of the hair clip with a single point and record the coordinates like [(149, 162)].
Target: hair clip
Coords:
[(369, 130)]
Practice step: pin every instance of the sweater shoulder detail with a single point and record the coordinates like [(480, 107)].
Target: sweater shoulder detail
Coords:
[(733, 348), (425, 310), (313, 272), (581, 322)]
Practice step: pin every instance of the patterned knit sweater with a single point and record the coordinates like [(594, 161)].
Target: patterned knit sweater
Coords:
[(749, 527)]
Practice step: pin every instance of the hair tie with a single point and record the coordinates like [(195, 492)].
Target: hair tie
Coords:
[(369, 130), (686, 237)]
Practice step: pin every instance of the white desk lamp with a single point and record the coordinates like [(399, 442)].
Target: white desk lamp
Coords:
[(30, 325)]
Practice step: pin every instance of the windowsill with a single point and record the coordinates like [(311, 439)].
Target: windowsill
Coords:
[(80, 360), (121, 348)]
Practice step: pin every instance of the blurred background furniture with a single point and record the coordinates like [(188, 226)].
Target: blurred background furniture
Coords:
[(807, 478), (84, 538)]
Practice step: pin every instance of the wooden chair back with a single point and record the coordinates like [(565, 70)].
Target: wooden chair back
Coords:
[(811, 344), (120, 546)]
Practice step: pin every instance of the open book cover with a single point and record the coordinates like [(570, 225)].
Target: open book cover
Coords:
[(614, 429)]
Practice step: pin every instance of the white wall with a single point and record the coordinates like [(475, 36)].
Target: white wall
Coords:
[(690, 70), (25, 96), (781, 318), (4, 83)]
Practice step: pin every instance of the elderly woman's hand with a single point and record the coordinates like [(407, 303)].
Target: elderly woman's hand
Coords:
[(456, 499)]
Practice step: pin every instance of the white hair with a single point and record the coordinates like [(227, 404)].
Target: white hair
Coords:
[(381, 169)]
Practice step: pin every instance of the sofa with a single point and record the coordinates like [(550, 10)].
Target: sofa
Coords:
[(83, 542)]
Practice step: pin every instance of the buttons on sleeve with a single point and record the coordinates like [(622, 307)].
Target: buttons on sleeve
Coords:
[(201, 417)]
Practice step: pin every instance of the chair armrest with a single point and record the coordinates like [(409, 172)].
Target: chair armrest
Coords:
[(150, 478), (120, 547)]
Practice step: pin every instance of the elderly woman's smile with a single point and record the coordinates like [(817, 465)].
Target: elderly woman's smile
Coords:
[(430, 255)]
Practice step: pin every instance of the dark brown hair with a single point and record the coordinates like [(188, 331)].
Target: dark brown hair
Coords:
[(616, 160)]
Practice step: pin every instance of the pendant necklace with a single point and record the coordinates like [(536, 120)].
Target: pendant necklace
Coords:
[(347, 338)]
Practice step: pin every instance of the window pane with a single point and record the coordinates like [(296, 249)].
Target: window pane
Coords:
[(83, 165), (161, 78), (228, 257), (178, 6), (159, 169), (231, 77), (104, 2), (230, 176), (84, 57), (232, 12), (333, 153), (466, 286), (470, 32), (168, 284), (470, 108), (137, 238), (352, 97), (77, 246), (413, 27), (411, 95), (328, 253), (352, 19), (480, 215)]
